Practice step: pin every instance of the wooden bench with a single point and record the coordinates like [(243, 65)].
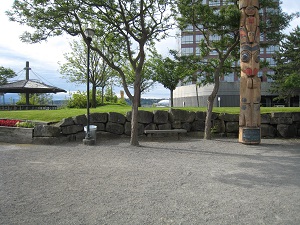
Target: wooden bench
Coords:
[(173, 131)]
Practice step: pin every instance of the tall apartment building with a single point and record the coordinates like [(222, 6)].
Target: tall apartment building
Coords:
[(228, 95)]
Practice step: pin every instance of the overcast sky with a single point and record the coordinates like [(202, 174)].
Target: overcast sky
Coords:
[(44, 57)]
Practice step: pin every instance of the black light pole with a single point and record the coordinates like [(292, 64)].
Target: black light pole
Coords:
[(88, 139)]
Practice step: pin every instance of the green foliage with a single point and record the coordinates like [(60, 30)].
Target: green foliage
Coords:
[(75, 68), (26, 124), (125, 29), (5, 74), (147, 81), (167, 71), (287, 70), (79, 99), (35, 99)]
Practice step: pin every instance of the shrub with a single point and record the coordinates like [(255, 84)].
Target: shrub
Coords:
[(26, 124)]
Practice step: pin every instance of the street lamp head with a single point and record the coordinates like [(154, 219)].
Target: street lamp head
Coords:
[(89, 33)]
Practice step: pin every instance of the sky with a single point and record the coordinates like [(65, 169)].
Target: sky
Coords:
[(44, 57)]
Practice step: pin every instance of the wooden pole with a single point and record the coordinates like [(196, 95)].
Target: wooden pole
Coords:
[(250, 83)]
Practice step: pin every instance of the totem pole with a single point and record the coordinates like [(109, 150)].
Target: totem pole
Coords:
[(250, 95)]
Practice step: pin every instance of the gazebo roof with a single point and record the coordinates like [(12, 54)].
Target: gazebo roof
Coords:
[(29, 86)]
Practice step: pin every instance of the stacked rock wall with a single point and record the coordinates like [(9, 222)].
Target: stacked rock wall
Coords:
[(286, 125)]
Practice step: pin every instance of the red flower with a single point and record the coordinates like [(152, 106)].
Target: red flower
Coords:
[(8, 123)]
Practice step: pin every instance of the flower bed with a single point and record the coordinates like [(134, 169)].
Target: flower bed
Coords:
[(8, 122)]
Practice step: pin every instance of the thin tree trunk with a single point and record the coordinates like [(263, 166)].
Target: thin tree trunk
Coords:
[(102, 95), (210, 105), (172, 103), (134, 122), (94, 103)]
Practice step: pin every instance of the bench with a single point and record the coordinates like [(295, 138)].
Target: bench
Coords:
[(173, 131)]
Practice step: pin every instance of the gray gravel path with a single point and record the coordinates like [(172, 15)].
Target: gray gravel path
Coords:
[(191, 181)]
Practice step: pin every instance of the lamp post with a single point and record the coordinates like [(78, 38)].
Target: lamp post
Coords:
[(89, 33)]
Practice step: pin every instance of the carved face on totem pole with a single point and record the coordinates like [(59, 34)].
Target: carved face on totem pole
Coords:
[(249, 37), (250, 95)]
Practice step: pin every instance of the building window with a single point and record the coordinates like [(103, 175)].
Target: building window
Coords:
[(272, 49), (199, 37), (187, 39), (271, 61), (188, 28), (229, 77), (270, 72), (186, 51), (214, 3)]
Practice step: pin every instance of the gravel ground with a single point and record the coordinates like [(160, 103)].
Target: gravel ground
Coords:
[(190, 181)]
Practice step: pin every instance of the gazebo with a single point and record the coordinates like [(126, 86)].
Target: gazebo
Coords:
[(28, 87)]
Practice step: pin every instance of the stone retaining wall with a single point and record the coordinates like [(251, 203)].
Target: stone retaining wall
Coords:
[(284, 125)]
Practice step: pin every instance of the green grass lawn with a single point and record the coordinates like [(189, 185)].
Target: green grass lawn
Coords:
[(59, 114)]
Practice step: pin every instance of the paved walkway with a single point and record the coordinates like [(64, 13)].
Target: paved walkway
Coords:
[(191, 181)]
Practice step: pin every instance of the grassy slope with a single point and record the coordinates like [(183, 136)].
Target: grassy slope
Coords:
[(57, 115)]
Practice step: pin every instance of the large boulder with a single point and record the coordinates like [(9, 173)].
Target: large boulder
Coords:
[(176, 125), (296, 116), (80, 120), (127, 127), (200, 116), (100, 126), (286, 130), (218, 126), (115, 117), (65, 122), (198, 125), (265, 118), (151, 126), (72, 129), (166, 126), (281, 118), (115, 128), (229, 117), (46, 131), (232, 127), (181, 115), (186, 126), (268, 131), (143, 116), (98, 117), (160, 117)]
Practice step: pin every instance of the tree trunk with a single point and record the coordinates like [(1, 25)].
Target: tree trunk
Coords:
[(210, 105), (139, 100), (172, 103), (102, 95), (134, 121), (94, 102)]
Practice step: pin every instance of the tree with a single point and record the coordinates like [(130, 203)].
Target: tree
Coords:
[(125, 29), (74, 70), (169, 72), (5, 74), (35, 99), (147, 81), (220, 29), (286, 75)]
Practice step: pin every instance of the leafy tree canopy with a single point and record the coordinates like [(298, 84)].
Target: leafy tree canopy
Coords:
[(286, 75), (5, 74), (125, 28), (219, 45)]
